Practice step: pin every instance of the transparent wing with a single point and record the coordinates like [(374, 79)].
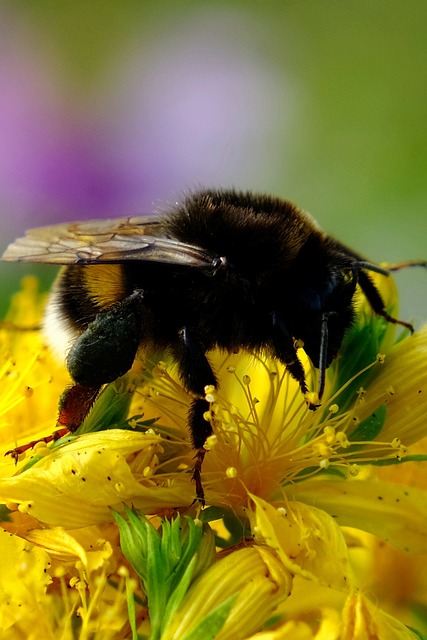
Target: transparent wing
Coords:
[(106, 241)]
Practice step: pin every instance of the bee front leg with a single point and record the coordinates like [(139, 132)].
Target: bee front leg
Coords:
[(283, 348), (375, 299), (196, 373)]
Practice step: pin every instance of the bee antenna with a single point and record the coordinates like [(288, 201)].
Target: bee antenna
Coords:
[(385, 271), (409, 263), (371, 266)]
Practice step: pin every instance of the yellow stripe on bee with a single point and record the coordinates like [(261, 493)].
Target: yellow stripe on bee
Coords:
[(105, 284)]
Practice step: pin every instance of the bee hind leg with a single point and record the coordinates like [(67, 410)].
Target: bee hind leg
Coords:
[(374, 298), (196, 373), (74, 405), (18, 451), (200, 429)]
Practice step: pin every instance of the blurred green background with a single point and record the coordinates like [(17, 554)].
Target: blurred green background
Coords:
[(113, 108)]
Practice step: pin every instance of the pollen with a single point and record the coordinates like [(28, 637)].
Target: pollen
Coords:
[(329, 434), (59, 571), (312, 399), (210, 393), (342, 440), (210, 442), (123, 571), (25, 507), (324, 450), (41, 449)]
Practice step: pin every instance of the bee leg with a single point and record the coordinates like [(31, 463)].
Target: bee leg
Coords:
[(283, 348), (374, 298), (74, 405), (200, 429), (17, 451), (323, 352), (107, 348), (196, 373)]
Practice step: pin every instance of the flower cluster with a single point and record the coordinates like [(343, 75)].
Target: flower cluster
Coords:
[(315, 525)]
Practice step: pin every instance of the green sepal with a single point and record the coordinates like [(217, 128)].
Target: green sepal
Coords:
[(212, 623), (111, 408), (361, 345), (166, 560)]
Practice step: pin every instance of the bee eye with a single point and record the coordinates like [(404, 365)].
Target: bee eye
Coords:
[(315, 297), (217, 264)]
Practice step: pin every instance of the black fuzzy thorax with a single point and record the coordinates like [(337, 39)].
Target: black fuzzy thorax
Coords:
[(277, 264)]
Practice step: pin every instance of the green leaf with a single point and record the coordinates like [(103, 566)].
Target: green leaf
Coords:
[(111, 408), (166, 560), (177, 595), (371, 427), (131, 610), (360, 348), (412, 458), (5, 513), (133, 544), (212, 513), (211, 625)]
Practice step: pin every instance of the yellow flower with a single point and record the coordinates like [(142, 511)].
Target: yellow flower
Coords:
[(295, 496), (251, 582), (31, 379)]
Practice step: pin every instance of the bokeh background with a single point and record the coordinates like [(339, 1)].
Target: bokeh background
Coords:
[(116, 107)]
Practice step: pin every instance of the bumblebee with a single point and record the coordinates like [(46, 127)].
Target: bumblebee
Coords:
[(222, 269)]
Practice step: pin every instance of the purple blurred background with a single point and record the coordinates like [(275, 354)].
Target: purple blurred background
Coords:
[(117, 108)]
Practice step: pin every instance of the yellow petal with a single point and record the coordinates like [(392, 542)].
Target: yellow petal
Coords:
[(362, 620), (254, 575), (292, 630), (401, 384), (64, 546), (23, 578), (77, 484), (328, 629), (396, 513), (307, 540)]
